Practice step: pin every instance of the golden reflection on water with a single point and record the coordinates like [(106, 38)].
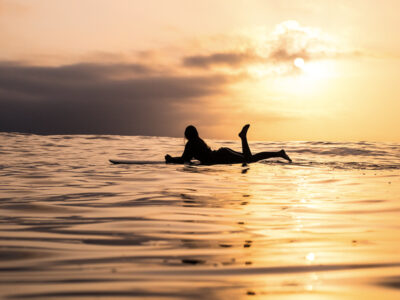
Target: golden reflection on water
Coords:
[(320, 219), (74, 226)]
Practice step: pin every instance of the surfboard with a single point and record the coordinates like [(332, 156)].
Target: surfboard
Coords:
[(146, 162), (136, 162)]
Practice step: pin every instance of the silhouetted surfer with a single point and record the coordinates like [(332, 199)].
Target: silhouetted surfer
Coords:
[(196, 148)]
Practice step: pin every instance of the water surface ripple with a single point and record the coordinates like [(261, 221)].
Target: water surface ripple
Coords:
[(74, 226)]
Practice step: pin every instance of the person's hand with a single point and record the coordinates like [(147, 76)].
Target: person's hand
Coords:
[(168, 158)]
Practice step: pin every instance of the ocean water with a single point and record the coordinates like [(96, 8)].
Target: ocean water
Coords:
[(74, 226)]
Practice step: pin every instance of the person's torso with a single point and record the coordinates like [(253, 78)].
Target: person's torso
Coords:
[(201, 151)]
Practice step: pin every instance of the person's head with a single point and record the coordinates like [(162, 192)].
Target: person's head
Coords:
[(191, 133)]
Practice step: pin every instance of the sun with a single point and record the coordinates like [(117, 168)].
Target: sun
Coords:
[(299, 63), (309, 77), (314, 70)]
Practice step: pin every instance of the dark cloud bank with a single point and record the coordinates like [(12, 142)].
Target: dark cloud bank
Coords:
[(100, 99), (231, 59)]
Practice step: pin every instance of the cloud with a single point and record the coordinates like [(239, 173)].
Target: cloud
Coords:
[(151, 97), (282, 55), (95, 98), (287, 42), (290, 40), (231, 59)]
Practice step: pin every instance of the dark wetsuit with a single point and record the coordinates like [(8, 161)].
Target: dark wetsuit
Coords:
[(196, 148), (199, 150)]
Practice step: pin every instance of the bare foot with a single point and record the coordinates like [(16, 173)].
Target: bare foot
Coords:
[(285, 156), (243, 133)]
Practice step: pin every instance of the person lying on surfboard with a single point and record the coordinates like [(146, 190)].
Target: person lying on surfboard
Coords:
[(196, 148)]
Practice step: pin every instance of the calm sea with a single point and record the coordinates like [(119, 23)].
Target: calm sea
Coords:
[(74, 226)]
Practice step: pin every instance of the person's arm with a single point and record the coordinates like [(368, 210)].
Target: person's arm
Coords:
[(186, 156), (173, 160)]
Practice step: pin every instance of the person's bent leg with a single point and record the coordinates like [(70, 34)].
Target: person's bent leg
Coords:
[(245, 146)]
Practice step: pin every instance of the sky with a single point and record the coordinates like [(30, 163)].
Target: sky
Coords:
[(294, 70)]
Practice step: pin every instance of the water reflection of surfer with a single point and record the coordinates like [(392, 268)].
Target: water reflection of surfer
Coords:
[(196, 148)]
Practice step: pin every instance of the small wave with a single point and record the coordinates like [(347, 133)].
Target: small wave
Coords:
[(341, 165), (103, 137), (281, 270), (342, 151)]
